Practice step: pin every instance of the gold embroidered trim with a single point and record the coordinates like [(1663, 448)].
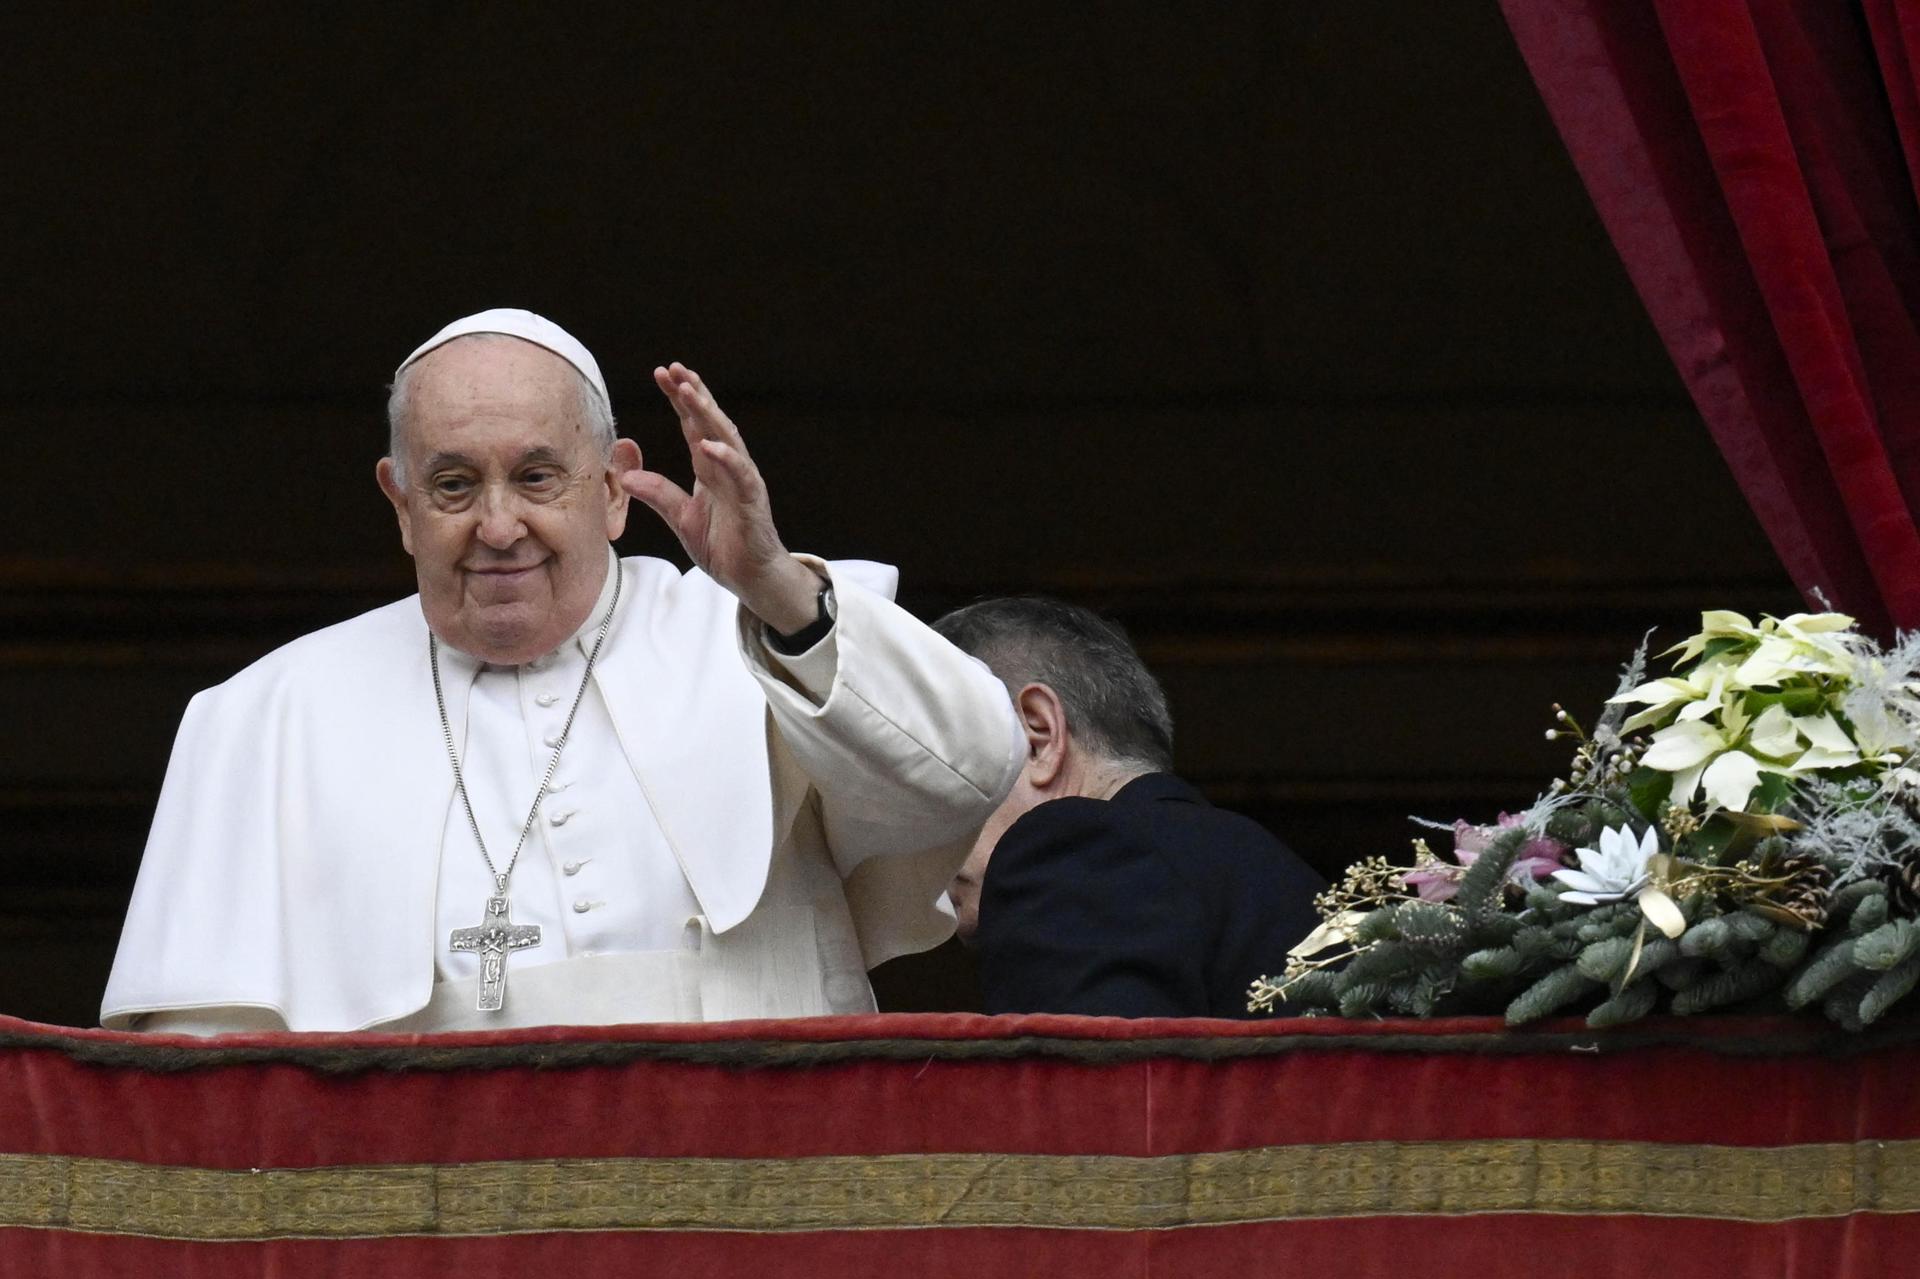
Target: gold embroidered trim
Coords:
[(1085, 1192)]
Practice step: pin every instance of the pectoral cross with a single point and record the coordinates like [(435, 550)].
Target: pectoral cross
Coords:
[(494, 938)]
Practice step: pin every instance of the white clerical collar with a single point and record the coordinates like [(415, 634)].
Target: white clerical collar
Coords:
[(469, 666)]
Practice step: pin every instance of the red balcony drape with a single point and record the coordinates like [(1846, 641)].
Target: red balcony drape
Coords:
[(1754, 162), (960, 1145)]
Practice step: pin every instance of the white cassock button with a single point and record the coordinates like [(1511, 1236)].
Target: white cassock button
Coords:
[(560, 818), (551, 739), (545, 699), (571, 868), (554, 788), (582, 906)]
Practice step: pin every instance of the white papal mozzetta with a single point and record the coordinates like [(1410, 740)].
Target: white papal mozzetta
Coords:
[(707, 826)]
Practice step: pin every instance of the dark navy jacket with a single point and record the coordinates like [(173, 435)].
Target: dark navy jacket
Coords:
[(1151, 904)]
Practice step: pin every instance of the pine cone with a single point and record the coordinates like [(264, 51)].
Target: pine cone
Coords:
[(1902, 878), (1802, 900)]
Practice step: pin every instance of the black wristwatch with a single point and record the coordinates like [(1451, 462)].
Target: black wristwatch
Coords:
[(812, 633)]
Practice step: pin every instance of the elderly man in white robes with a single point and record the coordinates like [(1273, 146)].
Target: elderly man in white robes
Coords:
[(558, 786)]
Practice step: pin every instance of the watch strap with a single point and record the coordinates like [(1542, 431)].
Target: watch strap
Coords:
[(812, 633)]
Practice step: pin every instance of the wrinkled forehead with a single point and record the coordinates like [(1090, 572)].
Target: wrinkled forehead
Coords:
[(499, 383)]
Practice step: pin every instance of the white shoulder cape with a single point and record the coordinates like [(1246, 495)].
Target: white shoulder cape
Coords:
[(293, 857)]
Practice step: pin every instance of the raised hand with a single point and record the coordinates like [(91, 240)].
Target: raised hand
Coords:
[(726, 523)]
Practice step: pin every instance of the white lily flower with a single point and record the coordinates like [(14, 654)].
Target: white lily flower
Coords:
[(1614, 871)]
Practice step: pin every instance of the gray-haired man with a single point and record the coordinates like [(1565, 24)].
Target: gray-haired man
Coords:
[(1104, 884)]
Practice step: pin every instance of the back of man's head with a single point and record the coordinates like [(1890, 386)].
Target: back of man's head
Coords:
[(1114, 706)]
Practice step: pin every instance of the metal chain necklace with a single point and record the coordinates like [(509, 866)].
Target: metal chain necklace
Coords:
[(496, 935)]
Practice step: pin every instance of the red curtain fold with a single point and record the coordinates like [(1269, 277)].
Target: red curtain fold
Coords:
[(1754, 162)]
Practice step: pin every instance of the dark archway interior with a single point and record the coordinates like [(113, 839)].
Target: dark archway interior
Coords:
[(1283, 332)]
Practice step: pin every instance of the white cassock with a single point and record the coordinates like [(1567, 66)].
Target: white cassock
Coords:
[(730, 832)]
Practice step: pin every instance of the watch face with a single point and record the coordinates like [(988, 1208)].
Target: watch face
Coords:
[(828, 608)]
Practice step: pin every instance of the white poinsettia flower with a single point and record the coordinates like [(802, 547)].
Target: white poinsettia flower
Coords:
[(1830, 634), (1777, 648), (1683, 745), (1804, 644), (1816, 623), (1714, 624), (1664, 691), (1697, 693), (1829, 746), (1709, 703), (1776, 658), (1815, 758), (1685, 749), (1724, 727), (1729, 781), (1614, 871), (1704, 756), (1823, 731), (1774, 733)]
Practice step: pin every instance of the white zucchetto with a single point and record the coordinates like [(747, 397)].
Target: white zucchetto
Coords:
[(527, 326)]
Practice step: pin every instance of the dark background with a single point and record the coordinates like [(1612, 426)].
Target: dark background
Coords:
[(1283, 332)]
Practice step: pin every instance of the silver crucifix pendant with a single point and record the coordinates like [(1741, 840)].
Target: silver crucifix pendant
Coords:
[(495, 938)]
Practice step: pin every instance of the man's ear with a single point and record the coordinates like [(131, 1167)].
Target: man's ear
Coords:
[(383, 475), (1044, 720), (625, 459)]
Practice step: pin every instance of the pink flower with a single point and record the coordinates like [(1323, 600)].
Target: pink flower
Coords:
[(1538, 859), (1437, 881), (1472, 840)]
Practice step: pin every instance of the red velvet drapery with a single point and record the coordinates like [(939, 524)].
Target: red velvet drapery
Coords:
[(1754, 162), (967, 1146)]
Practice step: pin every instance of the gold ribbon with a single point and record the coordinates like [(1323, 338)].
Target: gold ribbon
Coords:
[(1657, 908), (1655, 903)]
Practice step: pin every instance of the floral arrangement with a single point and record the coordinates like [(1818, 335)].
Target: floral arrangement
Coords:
[(1746, 828)]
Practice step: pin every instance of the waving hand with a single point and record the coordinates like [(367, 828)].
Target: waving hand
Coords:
[(726, 522)]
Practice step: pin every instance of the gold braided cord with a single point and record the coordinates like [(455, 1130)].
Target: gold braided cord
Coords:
[(1766, 1184)]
